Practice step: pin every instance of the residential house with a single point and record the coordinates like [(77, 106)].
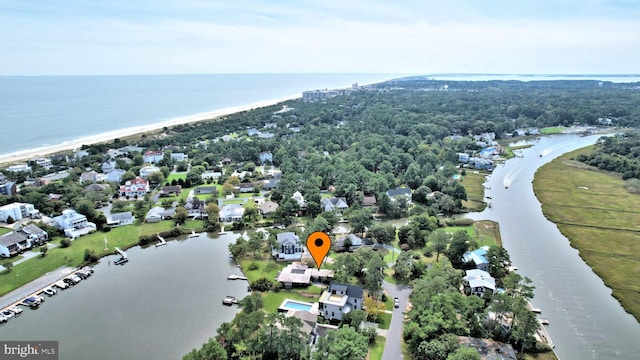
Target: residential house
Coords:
[(171, 190), (270, 125), (298, 274), (43, 162), (226, 161), (246, 187), (535, 131), (369, 201), (288, 248), (226, 138), (17, 211), (481, 163), (197, 208), (80, 154), (479, 282), (268, 208), (297, 196), (19, 168), (265, 135), (7, 187), (152, 157), (179, 156), (266, 156), (56, 176), (490, 349), (120, 219), (341, 243), (89, 176), (211, 175), (336, 204), (73, 224), (231, 213), (203, 190), (114, 176), (401, 191), (13, 243), (253, 131), (477, 258), (270, 184), (108, 166), (490, 153), (36, 235), (98, 188), (148, 170), (157, 214), (339, 299), (134, 188), (463, 158)]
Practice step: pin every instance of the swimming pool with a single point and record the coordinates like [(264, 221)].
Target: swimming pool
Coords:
[(288, 304)]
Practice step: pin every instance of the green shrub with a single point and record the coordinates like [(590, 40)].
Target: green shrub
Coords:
[(90, 256), (262, 284), (65, 243), (253, 266)]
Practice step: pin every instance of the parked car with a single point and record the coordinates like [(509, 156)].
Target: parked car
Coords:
[(16, 310), (3, 319), (33, 301), (61, 284), (49, 291), (69, 281), (7, 313), (75, 278), (396, 303), (81, 275)]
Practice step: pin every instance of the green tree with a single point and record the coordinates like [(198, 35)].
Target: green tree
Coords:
[(181, 215), (499, 262), (360, 220), (458, 246), (439, 240), (239, 248), (256, 242), (344, 344), (209, 350)]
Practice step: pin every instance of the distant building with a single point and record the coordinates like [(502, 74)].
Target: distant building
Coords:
[(152, 157), (178, 157), (401, 191), (336, 204), (157, 214), (297, 196), (108, 166), (43, 162), (266, 156), (17, 211), (19, 168), (120, 219), (134, 188), (148, 170), (341, 243), (73, 224), (13, 243), (268, 208)]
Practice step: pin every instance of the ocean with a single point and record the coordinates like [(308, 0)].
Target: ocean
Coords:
[(43, 111)]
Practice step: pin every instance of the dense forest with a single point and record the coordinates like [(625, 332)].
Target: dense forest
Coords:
[(619, 153)]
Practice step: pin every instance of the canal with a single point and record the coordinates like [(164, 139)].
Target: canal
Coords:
[(586, 322), (161, 304)]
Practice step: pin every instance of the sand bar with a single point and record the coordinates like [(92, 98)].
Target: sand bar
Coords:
[(108, 136)]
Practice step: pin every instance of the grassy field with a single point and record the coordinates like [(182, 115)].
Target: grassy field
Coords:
[(272, 300), (552, 130), (549, 355), (473, 185), (4, 230), (176, 177), (486, 232), (122, 237), (600, 219), (377, 348)]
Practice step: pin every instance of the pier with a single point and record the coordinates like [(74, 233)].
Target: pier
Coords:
[(161, 241)]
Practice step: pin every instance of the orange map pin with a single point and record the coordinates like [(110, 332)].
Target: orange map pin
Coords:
[(319, 244)]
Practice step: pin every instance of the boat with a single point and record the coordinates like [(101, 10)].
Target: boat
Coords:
[(544, 321), (536, 310), (229, 300), (236, 277)]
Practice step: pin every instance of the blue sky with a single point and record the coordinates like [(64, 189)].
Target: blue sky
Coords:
[(63, 37)]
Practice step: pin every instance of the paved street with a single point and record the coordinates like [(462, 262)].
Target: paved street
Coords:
[(392, 348), (37, 284)]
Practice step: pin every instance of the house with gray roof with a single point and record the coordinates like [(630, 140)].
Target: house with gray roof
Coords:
[(36, 235), (13, 243), (340, 299), (393, 194), (479, 282), (120, 219), (334, 204), (288, 248), (74, 224), (268, 208), (156, 214), (354, 242)]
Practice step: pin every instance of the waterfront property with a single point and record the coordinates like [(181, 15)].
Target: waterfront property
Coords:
[(347, 243), (13, 243), (120, 219), (288, 247), (157, 214), (479, 282), (74, 224), (288, 304), (17, 211), (231, 213), (477, 258), (298, 274), (393, 194)]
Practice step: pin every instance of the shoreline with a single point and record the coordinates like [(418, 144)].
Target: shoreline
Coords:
[(213, 115)]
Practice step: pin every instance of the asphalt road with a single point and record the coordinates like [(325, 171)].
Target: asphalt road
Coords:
[(393, 348)]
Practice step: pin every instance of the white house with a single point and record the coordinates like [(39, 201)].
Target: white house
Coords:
[(44, 162), (74, 224), (393, 194), (19, 168), (108, 166), (17, 211), (120, 219), (231, 213), (179, 157), (289, 247), (340, 299), (152, 157), (479, 282), (334, 204), (114, 176), (134, 188), (297, 196), (148, 170)]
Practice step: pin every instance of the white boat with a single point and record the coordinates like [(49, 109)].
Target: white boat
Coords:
[(122, 259), (544, 322)]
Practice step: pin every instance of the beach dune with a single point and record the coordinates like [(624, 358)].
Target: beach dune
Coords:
[(108, 136)]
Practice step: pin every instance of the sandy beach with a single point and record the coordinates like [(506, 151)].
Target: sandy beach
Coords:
[(108, 136)]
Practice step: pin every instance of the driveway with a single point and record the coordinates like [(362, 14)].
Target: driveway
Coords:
[(393, 348)]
